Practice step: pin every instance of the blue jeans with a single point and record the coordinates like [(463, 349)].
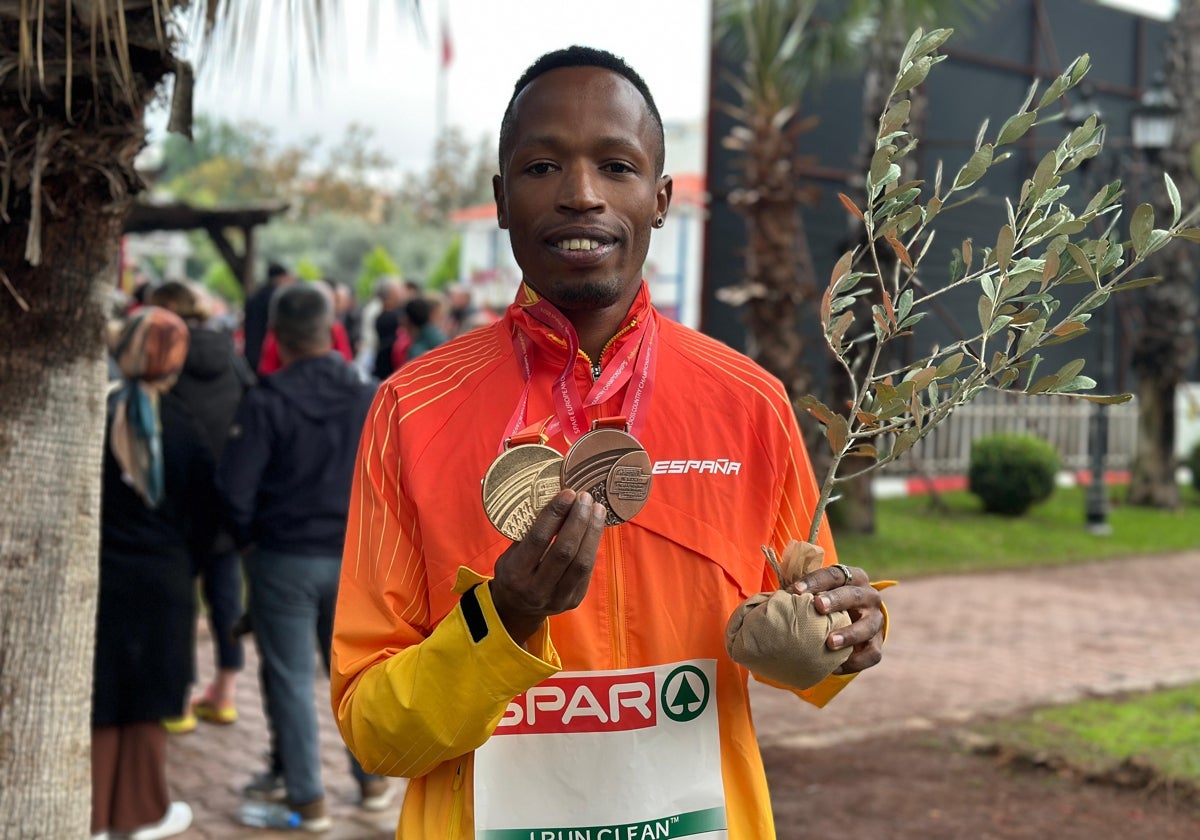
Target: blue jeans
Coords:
[(292, 598)]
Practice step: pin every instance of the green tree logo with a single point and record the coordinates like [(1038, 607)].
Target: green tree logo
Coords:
[(679, 698)]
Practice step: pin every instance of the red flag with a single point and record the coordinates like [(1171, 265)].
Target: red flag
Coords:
[(447, 46)]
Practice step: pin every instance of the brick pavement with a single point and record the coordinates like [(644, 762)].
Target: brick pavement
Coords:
[(963, 646)]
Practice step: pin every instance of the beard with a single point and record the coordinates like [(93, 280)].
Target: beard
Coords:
[(587, 295)]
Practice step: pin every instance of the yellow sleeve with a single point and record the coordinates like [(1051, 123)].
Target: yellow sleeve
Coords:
[(408, 696)]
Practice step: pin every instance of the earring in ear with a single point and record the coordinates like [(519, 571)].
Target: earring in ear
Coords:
[(659, 222)]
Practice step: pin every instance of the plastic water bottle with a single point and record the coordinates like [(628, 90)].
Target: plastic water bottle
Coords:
[(268, 815)]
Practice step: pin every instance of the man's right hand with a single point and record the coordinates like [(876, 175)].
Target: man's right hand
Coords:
[(548, 572)]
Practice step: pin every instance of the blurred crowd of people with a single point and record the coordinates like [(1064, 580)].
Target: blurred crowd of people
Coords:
[(229, 453)]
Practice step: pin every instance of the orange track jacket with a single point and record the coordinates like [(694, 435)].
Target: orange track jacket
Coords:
[(415, 692)]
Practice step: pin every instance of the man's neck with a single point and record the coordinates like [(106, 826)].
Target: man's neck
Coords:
[(288, 357)]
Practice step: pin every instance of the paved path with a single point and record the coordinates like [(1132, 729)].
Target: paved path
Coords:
[(963, 646)]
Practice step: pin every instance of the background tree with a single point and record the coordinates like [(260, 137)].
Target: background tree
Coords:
[(781, 48), (211, 139), (341, 204), (1165, 348), (75, 80), (461, 176)]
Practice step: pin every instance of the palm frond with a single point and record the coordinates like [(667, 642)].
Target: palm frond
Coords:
[(239, 39)]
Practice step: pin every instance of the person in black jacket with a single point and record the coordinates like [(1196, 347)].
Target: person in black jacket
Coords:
[(211, 384), (158, 515), (258, 307), (284, 477)]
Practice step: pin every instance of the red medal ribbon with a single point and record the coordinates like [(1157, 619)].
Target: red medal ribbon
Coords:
[(639, 362)]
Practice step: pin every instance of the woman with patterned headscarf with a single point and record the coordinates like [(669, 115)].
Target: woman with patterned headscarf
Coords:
[(156, 521)]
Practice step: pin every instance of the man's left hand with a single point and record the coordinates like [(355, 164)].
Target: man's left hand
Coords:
[(833, 591)]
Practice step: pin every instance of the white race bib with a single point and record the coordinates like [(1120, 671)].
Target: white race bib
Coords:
[(606, 755)]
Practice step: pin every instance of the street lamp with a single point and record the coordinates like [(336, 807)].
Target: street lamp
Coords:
[(1151, 129), (1096, 498), (1152, 122)]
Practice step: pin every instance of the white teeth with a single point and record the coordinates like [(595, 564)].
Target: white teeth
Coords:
[(578, 244)]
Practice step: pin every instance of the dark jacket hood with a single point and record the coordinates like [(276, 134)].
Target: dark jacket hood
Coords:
[(319, 388), (209, 353)]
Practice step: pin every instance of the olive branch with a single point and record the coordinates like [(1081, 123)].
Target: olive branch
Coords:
[(1042, 246)]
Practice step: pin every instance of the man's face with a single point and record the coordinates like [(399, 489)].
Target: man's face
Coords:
[(580, 193)]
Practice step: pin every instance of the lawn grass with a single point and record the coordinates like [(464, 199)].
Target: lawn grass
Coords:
[(913, 538), (1160, 729)]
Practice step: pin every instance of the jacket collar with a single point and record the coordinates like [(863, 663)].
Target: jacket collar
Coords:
[(551, 342)]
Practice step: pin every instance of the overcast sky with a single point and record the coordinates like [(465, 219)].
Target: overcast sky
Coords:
[(393, 86)]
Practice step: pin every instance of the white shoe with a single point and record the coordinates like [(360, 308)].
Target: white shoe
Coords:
[(377, 795), (176, 821)]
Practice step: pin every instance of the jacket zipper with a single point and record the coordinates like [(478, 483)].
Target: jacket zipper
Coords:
[(595, 366), (457, 806), (616, 586)]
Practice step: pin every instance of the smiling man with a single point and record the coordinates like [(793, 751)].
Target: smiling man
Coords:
[(531, 617)]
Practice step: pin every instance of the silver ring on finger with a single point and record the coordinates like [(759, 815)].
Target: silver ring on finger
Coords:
[(844, 569)]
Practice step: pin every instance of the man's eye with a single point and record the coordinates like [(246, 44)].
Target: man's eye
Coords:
[(540, 168), (617, 167)]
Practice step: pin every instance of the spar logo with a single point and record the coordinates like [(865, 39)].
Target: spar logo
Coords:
[(584, 703), (685, 693)]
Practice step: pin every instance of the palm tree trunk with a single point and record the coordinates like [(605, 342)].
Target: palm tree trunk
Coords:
[(1165, 350), (779, 264), (52, 384), (1153, 481)]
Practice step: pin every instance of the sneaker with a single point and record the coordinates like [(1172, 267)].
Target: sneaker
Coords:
[(180, 725), (210, 712), (313, 816), (377, 794), (265, 787), (176, 821)]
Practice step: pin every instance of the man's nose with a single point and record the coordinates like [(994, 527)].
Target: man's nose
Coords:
[(581, 190)]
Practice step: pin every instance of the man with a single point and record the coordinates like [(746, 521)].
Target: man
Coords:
[(213, 380), (284, 476), (258, 305), (420, 321), (572, 679), (389, 327), (462, 308)]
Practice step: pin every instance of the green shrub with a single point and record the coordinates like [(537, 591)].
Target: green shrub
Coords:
[(1010, 473), (376, 263)]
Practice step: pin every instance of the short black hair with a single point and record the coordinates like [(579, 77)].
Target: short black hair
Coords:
[(301, 316), (577, 56), (275, 269), (418, 311)]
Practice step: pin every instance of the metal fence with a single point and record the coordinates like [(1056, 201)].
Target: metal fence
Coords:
[(1062, 421)]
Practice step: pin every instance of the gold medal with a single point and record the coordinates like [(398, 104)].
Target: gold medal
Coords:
[(612, 466), (518, 484)]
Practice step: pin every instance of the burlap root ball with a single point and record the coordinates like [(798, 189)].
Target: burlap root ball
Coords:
[(780, 635)]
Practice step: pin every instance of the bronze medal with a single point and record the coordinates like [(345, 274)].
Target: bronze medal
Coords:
[(518, 485), (588, 467), (628, 485)]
